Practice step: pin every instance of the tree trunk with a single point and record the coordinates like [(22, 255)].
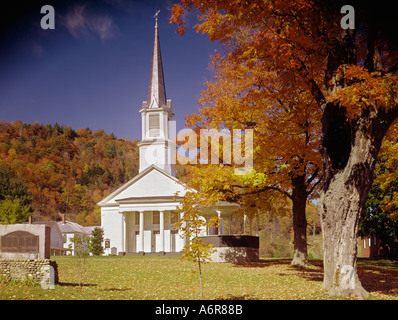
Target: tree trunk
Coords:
[(200, 279), (340, 211), (349, 152), (299, 199)]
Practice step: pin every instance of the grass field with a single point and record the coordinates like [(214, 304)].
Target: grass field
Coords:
[(155, 278)]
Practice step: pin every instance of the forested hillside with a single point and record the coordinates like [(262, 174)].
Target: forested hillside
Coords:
[(55, 169)]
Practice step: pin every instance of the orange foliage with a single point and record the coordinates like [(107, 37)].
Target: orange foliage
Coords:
[(257, 85), (67, 171)]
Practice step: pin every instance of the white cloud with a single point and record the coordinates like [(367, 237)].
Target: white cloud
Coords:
[(81, 23)]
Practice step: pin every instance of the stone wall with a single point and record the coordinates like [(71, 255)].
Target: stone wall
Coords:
[(37, 270)]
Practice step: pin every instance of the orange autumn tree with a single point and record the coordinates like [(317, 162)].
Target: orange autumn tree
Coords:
[(247, 95), (350, 73)]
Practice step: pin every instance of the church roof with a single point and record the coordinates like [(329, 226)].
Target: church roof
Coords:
[(72, 227), (156, 90), (150, 185)]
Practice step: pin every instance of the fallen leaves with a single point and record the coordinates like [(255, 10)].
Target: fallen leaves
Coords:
[(153, 278)]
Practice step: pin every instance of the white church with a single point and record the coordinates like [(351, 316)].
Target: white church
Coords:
[(138, 217)]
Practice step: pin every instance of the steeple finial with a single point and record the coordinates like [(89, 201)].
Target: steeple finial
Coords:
[(156, 91), (156, 18)]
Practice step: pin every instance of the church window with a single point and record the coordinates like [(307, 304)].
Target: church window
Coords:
[(174, 217), (156, 217), (154, 125)]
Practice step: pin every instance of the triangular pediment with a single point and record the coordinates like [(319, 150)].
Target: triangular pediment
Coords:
[(151, 183)]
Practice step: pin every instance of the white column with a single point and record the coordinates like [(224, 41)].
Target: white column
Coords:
[(122, 234), (143, 125), (161, 214), (146, 125), (161, 125), (244, 224), (219, 222), (142, 230)]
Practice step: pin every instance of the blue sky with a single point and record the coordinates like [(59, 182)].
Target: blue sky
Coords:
[(93, 69)]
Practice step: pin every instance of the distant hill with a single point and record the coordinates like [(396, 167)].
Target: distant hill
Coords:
[(65, 171)]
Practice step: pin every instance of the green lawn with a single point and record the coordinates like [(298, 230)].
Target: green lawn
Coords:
[(172, 278)]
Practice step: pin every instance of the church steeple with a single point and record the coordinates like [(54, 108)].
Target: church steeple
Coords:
[(156, 90), (156, 146)]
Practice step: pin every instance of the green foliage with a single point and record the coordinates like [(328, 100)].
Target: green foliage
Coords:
[(13, 211), (110, 151), (15, 198), (379, 216), (80, 243), (12, 187), (376, 220), (96, 239)]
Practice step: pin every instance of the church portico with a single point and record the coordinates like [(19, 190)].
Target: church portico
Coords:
[(139, 216), (150, 229)]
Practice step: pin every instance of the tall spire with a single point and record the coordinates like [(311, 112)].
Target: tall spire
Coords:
[(156, 90), (156, 146)]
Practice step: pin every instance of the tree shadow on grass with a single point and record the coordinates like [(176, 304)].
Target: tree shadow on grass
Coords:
[(70, 284), (116, 289), (232, 297), (313, 272), (262, 263), (375, 275)]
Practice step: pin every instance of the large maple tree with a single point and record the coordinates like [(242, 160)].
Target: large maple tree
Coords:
[(249, 95), (351, 76)]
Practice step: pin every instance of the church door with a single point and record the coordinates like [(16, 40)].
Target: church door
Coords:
[(147, 241), (156, 242), (173, 240), (137, 242)]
